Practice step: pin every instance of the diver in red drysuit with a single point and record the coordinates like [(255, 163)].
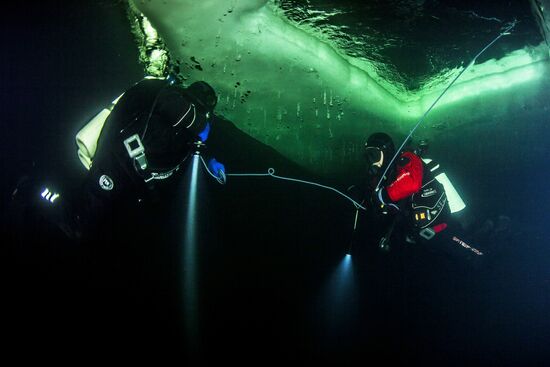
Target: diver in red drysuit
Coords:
[(413, 193)]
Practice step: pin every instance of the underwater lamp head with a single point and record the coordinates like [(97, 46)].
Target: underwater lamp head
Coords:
[(198, 146)]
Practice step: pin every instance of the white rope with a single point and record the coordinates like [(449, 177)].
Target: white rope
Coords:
[(271, 173), (503, 33)]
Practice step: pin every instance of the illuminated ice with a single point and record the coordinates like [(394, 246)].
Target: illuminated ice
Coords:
[(295, 90)]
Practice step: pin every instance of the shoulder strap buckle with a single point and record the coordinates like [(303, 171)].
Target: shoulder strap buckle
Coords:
[(136, 150)]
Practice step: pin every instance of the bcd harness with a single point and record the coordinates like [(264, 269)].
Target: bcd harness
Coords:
[(429, 202)]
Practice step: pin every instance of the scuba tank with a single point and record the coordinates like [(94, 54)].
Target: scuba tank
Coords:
[(87, 137)]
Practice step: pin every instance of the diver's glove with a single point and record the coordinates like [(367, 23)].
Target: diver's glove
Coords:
[(216, 168), (203, 135)]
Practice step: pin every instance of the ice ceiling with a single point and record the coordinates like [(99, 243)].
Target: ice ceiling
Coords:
[(312, 78)]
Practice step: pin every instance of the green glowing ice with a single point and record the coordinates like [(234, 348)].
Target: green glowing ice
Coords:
[(297, 92)]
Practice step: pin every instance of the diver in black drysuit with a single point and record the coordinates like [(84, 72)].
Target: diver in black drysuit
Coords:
[(100, 257), (145, 141)]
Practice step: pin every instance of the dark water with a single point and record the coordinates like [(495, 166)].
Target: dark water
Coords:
[(270, 284)]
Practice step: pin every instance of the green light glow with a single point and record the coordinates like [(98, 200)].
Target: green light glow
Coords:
[(517, 68), (293, 89), (153, 52)]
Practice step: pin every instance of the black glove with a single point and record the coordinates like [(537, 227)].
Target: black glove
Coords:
[(380, 202)]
